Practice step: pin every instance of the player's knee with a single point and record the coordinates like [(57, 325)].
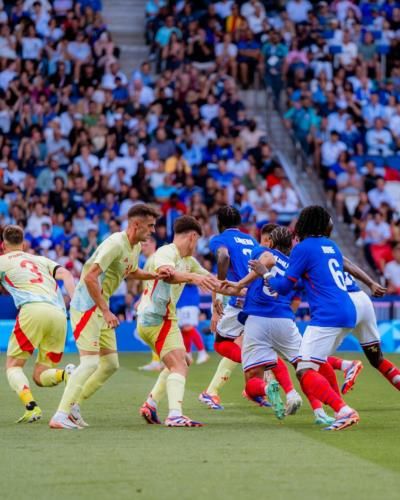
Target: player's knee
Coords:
[(111, 363), (89, 363), (373, 354)]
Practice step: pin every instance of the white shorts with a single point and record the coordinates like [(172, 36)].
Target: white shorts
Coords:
[(366, 329), (188, 316), (318, 343), (229, 326), (265, 337)]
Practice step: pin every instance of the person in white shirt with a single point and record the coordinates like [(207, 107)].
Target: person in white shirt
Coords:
[(238, 165), (394, 122), (349, 50), (223, 8), (14, 176), (58, 147), (141, 93), (7, 75), (256, 20), (226, 53), (110, 162), (260, 200), (36, 219), (298, 10), (337, 120), (377, 231), (86, 161), (31, 45), (209, 111), (81, 223), (331, 149), (392, 272), (379, 194), (285, 187), (248, 8), (379, 140), (80, 53)]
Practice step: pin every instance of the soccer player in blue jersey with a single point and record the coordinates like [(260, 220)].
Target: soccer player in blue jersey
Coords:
[(318, 261)]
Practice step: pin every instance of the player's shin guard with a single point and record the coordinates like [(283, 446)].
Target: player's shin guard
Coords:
[(51, 377), (328, 372), (221, 376), (20, 384), (336, 363), (158, 391), (255, 387), (229, 349), (282, 375), (107, 366), (390, 372), (175, 391), (76, 382), (315, 385)]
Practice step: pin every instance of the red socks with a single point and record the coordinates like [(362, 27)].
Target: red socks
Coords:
[(315, 386), (327, 371), (229, 350), (336, 363), (282, 376), (390, 372), (255, 387), (192, 336)]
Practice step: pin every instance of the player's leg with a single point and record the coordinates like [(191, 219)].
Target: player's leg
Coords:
[(24, 339), (210, 396), (155, 364), (51, 348), (259, 355), (86, 327), (316, 345), (368, 335)]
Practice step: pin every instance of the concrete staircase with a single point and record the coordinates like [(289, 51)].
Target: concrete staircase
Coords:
[(126, 21)]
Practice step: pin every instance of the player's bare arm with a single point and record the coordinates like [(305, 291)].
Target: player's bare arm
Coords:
[(92, 283), (358, 273), (66, 277), (143, 275), (208, 281), (223, 262)]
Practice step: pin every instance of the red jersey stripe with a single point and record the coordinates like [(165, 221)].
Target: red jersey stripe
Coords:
[(23, 341), (83, 321)]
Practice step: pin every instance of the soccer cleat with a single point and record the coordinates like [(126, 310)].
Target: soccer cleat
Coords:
[(258, 400), (343, 422), (275, 399), (323, 420), (181, 421), (293, 403), (350, 376), (149, 413), (154, 366), (202, 357), (63, 421), (30, 416), (213, 402), (68, 371), (76, 416)]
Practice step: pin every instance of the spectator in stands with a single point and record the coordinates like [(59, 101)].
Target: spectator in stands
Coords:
[(379, 194), (392, 272), (379, 139)]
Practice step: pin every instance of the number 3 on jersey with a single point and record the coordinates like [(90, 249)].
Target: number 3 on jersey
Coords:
[(337, 274), (32, 267)]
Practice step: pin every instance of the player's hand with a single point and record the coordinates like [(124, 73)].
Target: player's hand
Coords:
[(258, 267), (378, 290), (230, 288), (164, 274), (208, 282), (111, 320)]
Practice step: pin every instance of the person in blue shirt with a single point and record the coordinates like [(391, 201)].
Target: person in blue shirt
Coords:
[(318, 261)]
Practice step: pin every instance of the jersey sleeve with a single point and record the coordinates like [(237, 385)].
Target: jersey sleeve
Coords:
[(107, 252), (51, 265), (165, 256), (135, 265), (215, 244), (298, 262), (196, 267)]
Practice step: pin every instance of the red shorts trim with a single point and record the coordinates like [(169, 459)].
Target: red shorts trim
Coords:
[(23, 341), (166, 327), (83, 322), (55, 357)]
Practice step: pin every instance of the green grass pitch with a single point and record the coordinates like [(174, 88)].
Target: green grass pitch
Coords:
[(243, 452)]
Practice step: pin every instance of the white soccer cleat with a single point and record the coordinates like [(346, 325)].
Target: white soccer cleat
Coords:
[(68, 371), (153, 366), (62, 421), (76, 416), (202, 357), (293, 403)]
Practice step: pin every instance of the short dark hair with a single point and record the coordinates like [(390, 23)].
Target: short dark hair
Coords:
[(14, 235), (187, 223), (268, 228), (228, 216), (313, 221), (142, 210), (282, 239)]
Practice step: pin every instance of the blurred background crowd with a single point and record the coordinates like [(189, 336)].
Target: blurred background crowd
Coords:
[(81, 141)]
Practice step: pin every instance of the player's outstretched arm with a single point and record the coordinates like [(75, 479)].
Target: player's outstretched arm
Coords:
[(358, 273), (92, 283), (142, 275), (66, 277)]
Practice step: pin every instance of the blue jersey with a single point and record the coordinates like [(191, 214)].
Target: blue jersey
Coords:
[(351, 283), (240, 246), (261, 300), (189, 297), (319, 261)]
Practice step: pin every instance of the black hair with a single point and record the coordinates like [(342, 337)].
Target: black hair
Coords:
[(281, 238), (228, 217), (268, 228), (313, 221), (187, 223)]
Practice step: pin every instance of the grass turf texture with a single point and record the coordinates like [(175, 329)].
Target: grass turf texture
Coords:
[(243, 452)]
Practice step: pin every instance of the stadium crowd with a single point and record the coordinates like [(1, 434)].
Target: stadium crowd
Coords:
[(81, 141)]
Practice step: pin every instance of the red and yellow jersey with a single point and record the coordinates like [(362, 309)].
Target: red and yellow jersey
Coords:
[(30, 278)]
